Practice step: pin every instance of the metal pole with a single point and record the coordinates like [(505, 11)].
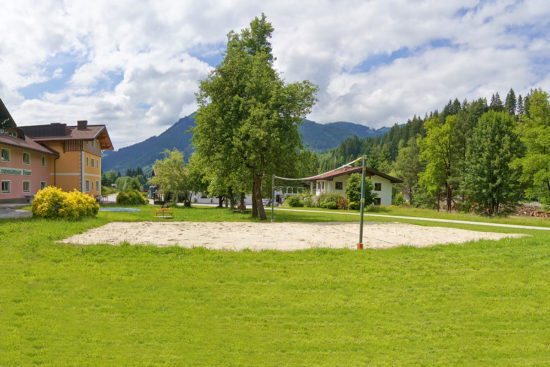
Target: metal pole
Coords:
[(272, 198), (362, 205)]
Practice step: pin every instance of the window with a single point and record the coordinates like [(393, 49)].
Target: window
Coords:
[(339, 185), (377, 201), (5, 155), (377, 186), (323, 185), (97, 187), (92, 185), (6, 186), (26, 186), (318, 185), (43, 161), (26, 158), (43, 184), (87, 185), (86, 161), (93, 162)]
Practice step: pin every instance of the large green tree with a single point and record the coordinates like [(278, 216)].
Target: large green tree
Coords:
[(439, 151), (491, 179), (534, 130), (408, 168), (248, 117), (172, 176)]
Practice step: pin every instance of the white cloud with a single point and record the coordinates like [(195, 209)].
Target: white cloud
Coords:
[(135, 69)]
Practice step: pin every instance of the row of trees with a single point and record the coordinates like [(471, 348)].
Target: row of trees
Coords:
[(483, 158), (471, 156)]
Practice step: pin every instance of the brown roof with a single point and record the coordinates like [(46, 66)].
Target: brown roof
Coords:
[(25, 143), (347, 170), (55, 132)]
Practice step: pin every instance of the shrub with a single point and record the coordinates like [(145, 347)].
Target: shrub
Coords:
[(52, 202), (311, 201), (398, 199), (131, 197), (331, 201), (343, 203), (354, 205), (294, 201), (376, 208)]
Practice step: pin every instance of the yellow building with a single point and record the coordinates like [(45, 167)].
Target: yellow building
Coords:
[(79, 148)]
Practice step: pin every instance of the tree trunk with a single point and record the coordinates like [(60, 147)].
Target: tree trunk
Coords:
[(242, 204), (449, 196), (220, 201), (257, 195), (230, 199), (254, 202)]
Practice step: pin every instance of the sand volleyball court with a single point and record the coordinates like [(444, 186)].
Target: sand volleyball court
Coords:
[(275, 236)]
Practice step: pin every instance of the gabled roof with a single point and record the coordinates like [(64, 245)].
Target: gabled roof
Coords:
[(57, 131), (6, 121), (348, 170), (24, 142)]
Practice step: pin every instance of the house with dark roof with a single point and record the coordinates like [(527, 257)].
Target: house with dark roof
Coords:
[(58, 154), (335, 181)]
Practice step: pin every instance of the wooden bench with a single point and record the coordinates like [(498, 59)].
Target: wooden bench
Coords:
[(164, 212)]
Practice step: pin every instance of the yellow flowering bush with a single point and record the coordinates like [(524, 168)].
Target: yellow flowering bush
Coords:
[(52, 202)]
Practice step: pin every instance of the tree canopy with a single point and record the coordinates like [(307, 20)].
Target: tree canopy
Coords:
[(248, 117)]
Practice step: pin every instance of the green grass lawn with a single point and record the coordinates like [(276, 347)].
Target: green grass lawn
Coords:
[(483, 303)]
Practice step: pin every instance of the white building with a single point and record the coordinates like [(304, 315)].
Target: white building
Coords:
[(336, 181)]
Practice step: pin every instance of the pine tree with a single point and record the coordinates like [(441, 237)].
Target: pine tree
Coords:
[(520, 110), (510, 103), (496, 103)]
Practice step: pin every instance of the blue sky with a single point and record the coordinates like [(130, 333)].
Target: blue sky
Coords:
[(136, 66)]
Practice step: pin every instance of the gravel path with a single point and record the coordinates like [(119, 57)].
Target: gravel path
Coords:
[(275, 236), (503, 225)]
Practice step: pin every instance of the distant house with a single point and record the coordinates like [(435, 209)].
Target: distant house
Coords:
[(33, 157), (336, 181)]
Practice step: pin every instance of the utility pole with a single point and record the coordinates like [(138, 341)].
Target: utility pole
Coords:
[(362, 205)]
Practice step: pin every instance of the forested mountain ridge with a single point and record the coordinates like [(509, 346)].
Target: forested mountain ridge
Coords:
[(320, 137), (316, 136)]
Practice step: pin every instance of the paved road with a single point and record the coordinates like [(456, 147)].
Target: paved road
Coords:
[(422, 218), (11, 213)]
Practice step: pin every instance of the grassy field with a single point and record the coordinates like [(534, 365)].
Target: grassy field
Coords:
[(484, 303)]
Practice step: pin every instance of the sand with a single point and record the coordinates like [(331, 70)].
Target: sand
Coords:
[(275, 236)]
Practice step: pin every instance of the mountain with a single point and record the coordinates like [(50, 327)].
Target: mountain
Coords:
[(318, 137), (145, 153)]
